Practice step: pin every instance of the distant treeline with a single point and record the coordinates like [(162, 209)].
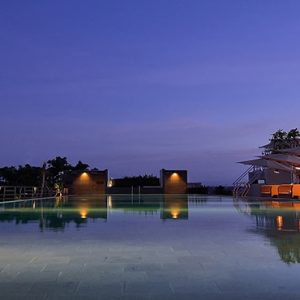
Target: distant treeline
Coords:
[(28, 175), (146, 180), (210, 190), (52, 172)]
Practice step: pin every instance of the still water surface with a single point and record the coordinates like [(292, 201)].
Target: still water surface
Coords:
[(149, 247)]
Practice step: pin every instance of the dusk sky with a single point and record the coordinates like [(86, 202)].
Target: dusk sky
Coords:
[(136, 86)]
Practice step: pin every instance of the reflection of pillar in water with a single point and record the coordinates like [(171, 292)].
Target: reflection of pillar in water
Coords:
[(175, 207), (109, 202)]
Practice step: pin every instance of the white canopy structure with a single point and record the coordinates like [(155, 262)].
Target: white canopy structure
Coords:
[(284, 158), (267, 163), (292, 151), (277, 165)]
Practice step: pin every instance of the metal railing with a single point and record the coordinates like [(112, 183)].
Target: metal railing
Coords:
[(22, 192), (242, 185)]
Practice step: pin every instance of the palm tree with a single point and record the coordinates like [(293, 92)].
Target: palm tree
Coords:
[(283, 140), (279, 140), (293, 134), (280, 134)]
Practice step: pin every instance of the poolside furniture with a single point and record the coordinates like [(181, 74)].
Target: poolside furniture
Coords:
[(296, 191), (266, 190), (275, 190), (285, 190)]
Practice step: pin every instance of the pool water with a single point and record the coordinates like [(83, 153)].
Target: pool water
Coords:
[(149, 247)]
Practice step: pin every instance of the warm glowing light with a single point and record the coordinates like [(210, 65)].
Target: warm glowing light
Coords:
[(83, 213), (174, 176), (275, 204), (84, 177), (110, 183), (279, 221), (297, 168), (109, 201), (174, 213)]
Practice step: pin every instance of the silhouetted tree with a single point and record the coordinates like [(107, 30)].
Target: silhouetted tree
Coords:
[(293, 134), (81, 166), (200, 189), (146, 180), (56, 169), (23, 175), (58, 165), (221, 190), (282, 139)]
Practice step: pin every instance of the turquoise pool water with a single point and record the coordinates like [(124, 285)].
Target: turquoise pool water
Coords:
[(149, 247)]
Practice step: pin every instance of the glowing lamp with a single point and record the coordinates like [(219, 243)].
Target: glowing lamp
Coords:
[(175, 176)]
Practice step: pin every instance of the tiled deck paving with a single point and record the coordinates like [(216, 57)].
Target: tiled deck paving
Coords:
[(217, 253)]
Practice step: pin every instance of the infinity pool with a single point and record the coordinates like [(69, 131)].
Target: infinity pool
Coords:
[(149, 247)]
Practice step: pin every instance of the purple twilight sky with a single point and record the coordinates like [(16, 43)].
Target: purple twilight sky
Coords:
[(135, 86)]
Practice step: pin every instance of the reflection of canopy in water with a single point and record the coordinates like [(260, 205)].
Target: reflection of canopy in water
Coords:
[(287, 244), (280, 223)]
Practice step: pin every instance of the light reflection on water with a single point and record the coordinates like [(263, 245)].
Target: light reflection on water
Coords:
[(279, 222), (177, 246)]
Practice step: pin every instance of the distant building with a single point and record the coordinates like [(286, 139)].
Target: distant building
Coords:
[(98, 182), (174, 181), (86, 182)]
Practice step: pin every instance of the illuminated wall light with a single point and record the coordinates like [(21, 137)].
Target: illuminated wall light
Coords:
[(84, 176), (175, 176), (276, 172), (110, 183), (297, 168)]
